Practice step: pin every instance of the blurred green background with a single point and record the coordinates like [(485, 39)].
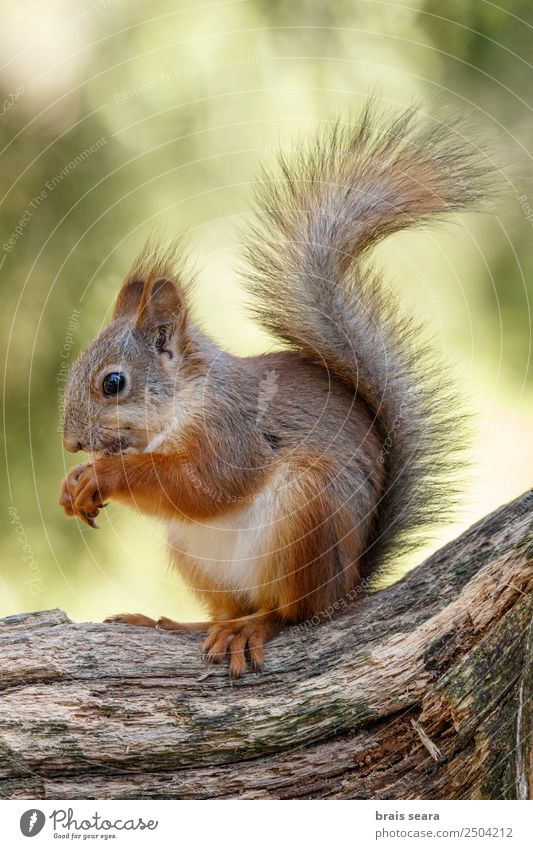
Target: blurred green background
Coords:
[(120, 117)]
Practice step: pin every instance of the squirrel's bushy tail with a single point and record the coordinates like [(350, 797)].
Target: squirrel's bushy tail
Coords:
[(318, 214)]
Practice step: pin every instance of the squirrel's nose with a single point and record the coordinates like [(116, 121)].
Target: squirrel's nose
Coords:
[(71, 445)]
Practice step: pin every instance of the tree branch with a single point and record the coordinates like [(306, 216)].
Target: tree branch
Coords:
[(423, 690)]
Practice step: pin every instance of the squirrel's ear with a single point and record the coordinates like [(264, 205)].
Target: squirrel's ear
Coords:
[(162, 312), (128, 298)]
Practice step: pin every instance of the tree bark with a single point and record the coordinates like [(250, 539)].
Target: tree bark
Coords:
[(420, 691)]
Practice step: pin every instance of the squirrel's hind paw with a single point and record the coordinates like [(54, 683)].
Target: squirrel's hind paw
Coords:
[(235, 640), (138, 619)]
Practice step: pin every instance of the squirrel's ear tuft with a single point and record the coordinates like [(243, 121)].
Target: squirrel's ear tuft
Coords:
[(153, 297), (150, 288), (162, 313), (128, 298)]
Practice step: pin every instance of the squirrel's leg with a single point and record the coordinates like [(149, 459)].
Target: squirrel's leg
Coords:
[(221, 610), (315, 546), (139, 620), (230, 638), (234, 630), (221, 605), (157, 484)]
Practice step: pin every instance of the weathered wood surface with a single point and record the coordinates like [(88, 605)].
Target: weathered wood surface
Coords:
[(423, 690)]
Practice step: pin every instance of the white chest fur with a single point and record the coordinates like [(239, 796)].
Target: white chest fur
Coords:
[(228, 549)]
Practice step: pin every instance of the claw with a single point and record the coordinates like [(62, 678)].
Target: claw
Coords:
[(88, 519)]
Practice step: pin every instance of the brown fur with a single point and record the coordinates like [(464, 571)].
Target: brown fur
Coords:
[(284, 477)]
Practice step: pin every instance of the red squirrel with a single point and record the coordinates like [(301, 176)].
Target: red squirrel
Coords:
[(284, 479)]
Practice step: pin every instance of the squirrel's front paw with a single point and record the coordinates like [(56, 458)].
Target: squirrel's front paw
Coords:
[(67, 489), (83, 492)]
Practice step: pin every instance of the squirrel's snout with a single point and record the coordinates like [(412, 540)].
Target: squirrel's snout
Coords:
[(71, 445)]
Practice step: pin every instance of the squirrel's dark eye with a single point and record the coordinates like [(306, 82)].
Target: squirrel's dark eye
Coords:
[(113, 383)]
